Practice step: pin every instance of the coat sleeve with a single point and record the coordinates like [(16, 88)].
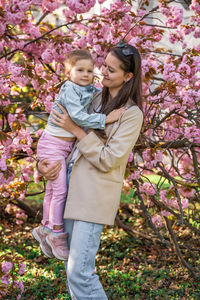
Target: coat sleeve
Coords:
[(110, 155)]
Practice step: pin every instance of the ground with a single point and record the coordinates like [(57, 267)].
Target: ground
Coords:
[(129, 267)]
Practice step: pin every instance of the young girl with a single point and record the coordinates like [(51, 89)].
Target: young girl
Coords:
[(56, 144)]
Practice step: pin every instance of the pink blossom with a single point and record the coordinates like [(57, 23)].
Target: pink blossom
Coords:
[(19, 222), (15, 69), (5, 279), (130, 157), (152, 157), (82, 42), (51, 5), (3, 165), (195, 5), (21, 269), (197, 32), (157, 221), (185, 203), (183, 67), (165, 213), (14, 18), (29, 28), (6, 195), (148, 188), (2, 28), (6, 266), (187, 192), (176, 16), (134, 175), (22, 5), (80, 6), (47, 56)]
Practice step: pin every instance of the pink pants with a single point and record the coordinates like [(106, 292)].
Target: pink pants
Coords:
[(54, 149)]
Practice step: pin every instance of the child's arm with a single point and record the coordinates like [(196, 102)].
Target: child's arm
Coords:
[(114, 115), (70, 99)]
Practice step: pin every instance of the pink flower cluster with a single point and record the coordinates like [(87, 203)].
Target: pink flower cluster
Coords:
[(151, 157), (148, 188), (175, 16), (195, 5), (19, 214), (157, 220), (51, 5), (169, 199), (80, 6), (8, 280)]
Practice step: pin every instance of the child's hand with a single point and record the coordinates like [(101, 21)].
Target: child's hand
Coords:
[(114, 115)]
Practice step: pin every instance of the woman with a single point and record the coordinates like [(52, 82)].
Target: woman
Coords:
[(98, 168)]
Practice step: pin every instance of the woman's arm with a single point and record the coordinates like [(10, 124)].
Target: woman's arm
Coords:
[(114, 152), (107, 156)]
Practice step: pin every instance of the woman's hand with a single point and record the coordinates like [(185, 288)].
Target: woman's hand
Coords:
[(48, 170), (64, 121)]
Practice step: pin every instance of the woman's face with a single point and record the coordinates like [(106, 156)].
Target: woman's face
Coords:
[(113, 75)]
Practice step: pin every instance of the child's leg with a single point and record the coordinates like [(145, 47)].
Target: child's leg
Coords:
[(59, 187), (53, 149), (46, 203), (57, 239)]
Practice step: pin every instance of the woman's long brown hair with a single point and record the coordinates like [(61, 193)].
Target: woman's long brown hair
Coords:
[(129, 90)]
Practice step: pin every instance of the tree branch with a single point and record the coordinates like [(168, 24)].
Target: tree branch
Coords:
[(42, 17), (195, 162), (176, 189), (177, 249)]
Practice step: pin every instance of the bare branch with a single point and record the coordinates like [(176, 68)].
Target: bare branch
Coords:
[(176, 189), (143, 17), (177, 249), (195, 162), (130, 230), (42, 17)]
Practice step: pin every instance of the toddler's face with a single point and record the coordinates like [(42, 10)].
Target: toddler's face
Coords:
[(82, 72)]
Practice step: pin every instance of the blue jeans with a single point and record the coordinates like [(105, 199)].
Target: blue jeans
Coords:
[(83, 241)]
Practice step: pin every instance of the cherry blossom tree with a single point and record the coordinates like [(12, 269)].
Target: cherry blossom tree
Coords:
[(35, 37)]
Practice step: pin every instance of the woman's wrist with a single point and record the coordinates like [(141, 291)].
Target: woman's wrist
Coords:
[(79, 133)]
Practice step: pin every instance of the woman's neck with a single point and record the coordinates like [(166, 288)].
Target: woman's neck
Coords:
[(113, 93)]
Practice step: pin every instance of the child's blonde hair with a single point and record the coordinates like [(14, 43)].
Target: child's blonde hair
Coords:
[(75, 56)]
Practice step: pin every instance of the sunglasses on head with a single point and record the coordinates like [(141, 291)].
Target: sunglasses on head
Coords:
[(126, 48)]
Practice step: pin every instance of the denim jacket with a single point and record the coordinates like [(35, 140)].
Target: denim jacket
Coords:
[(75, 99)]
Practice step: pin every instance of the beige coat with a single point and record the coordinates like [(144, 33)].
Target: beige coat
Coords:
[(98, 172)]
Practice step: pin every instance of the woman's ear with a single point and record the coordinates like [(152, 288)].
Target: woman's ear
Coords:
[(128, 76)]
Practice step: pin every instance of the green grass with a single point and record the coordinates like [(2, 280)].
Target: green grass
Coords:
[(129, 268)]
